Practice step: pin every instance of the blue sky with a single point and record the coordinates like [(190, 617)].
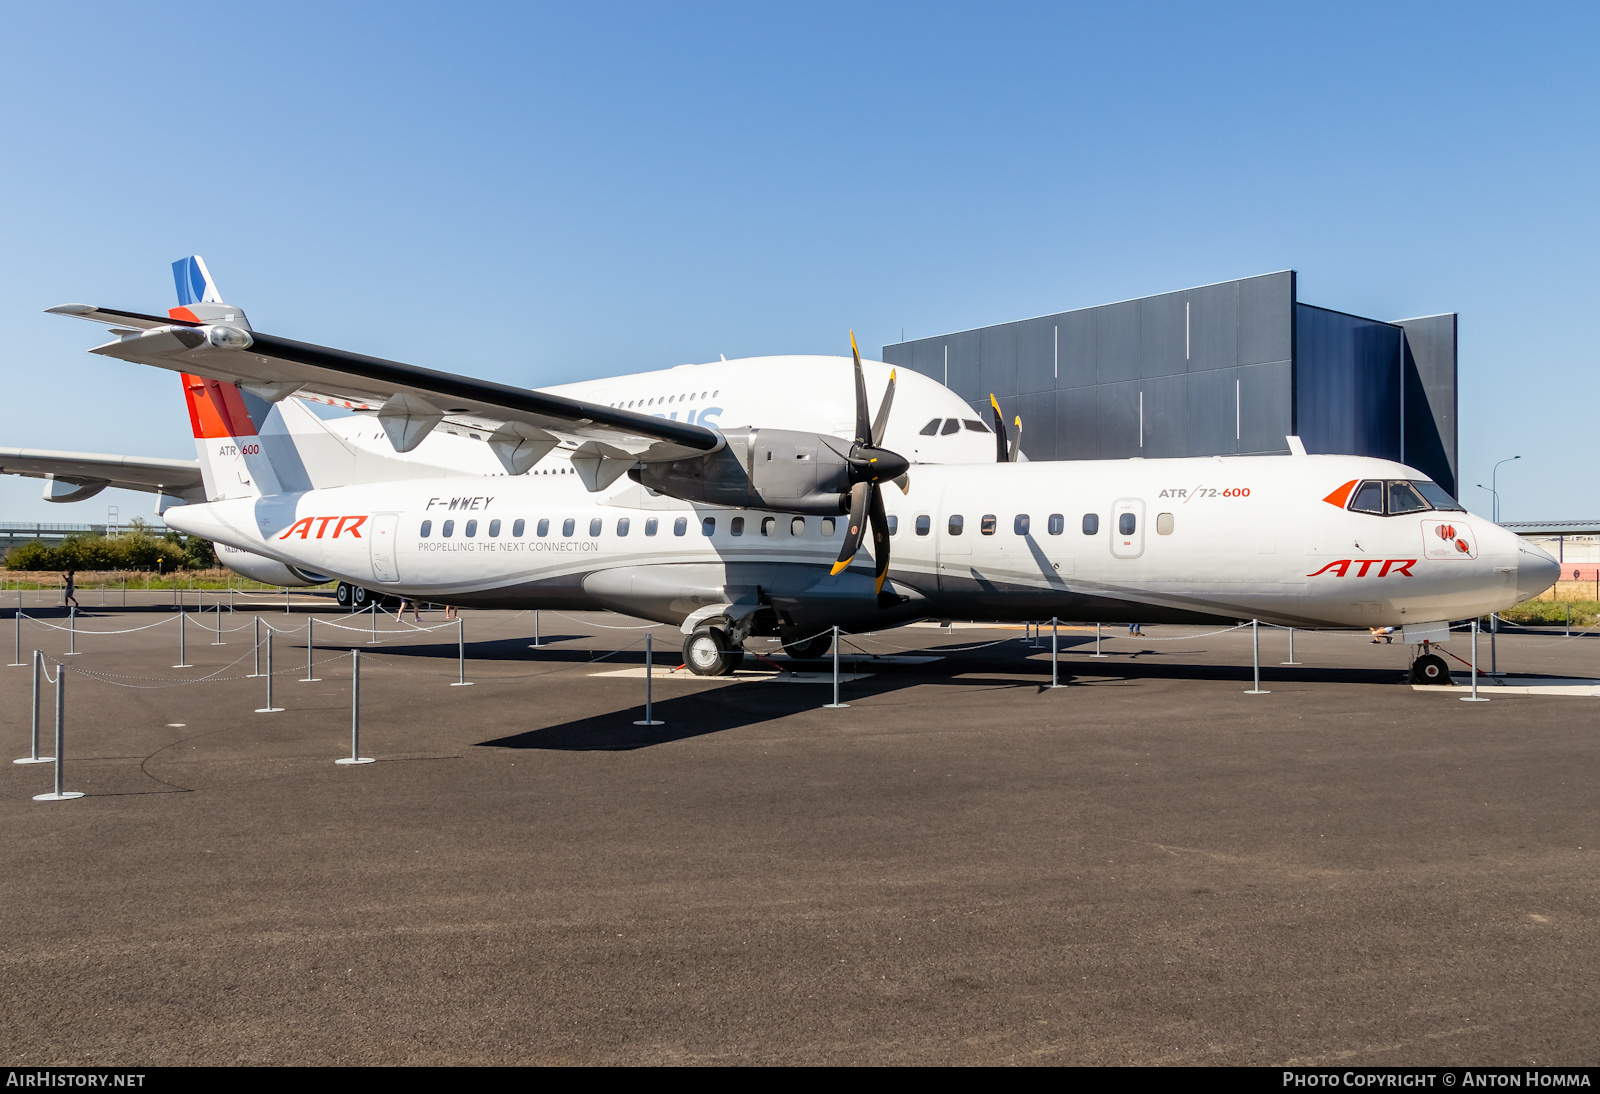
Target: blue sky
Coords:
[(538, 194)]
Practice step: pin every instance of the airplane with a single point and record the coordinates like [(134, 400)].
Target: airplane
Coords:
[(600, 501)]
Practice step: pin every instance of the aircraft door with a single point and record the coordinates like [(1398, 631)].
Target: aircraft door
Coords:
[(385, 530), (1127, 528)]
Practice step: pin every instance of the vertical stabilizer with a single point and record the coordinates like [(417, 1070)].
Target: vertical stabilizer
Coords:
[(227, 440)]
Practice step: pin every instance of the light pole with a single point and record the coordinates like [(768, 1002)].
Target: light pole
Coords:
[(1494, 483)]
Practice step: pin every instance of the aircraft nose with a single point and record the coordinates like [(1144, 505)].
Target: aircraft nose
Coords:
[(1536, 571)]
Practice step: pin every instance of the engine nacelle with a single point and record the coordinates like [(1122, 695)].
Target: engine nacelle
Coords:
[(781, 470), (260, 568)]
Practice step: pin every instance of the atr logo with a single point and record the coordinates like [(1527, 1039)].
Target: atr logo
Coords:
[(1398, 566), (346, 524)]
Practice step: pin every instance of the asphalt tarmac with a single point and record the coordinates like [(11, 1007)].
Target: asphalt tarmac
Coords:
[(1148, 866)]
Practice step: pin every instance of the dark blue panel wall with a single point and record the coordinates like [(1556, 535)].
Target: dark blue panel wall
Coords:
[(1347, 383)]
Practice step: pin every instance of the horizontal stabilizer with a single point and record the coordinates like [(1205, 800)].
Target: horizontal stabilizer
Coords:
[(71, 474)]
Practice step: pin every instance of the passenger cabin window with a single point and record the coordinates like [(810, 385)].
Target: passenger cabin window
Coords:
[(1127, 524), (736, 526), (518, 527), (623, 524), (680, 526), (472, 529), (1163, 524), (542, 529), (1056, 524), (1019, 524), (827, 527), (494, 528), (708, 525), (954, 527), (924, 524), (894, 524), (768, 524), (931, 428), (650, 526), (448, 529), (987, 524), (595, 524), (1091, 524), (427, 527), (568, 526), (797, 526)]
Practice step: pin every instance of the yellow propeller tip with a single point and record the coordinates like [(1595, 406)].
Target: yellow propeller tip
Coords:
[(879, 588), (994, 402), (837, 566)]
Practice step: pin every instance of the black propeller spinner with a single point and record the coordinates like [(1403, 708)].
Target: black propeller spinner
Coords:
[(871, 465)]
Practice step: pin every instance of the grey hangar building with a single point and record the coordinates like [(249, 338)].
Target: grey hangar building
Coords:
[(1226, 369)]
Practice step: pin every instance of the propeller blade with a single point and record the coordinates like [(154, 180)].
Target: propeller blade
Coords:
[(903, 482), (1002, 449), (880, 538), (881, 422), (1016, 445), (860, 493), (863, 423)]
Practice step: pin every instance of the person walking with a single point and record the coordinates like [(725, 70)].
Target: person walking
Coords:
[(452, 612), (69, 594), (1135, 630)]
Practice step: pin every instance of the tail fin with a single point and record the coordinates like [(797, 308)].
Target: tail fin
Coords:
[(226, 438), (199, 301)]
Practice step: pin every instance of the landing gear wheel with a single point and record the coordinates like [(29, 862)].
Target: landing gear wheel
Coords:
[(1430, 669), (707, 652), (344, 594), (803, 648), (360, 597)]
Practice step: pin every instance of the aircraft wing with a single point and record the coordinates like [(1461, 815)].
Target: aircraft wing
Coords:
[(78, 475), (523, 425)]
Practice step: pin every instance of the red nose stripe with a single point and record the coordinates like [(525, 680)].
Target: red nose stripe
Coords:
[(1341, 495)]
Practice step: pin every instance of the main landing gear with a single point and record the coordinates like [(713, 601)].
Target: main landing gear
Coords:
[(708, 652), (356, 598), (806, 647)]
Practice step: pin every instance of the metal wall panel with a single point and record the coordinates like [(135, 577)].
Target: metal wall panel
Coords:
[(1117, 342), (997, 372), (1266, 418), (1038, 412), (1430, 404), (1213, 326), (1348, 383), (1036, 342), (965, 370), (1118, 408), (1266, 312), (1079, 366), (1077, 425), (1161, 336), (1165, 409), (1212, 408)]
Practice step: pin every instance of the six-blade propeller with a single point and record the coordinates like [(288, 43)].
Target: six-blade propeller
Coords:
[(871, 465)]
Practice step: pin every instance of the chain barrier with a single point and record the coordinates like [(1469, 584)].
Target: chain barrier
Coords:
[(606, 627)]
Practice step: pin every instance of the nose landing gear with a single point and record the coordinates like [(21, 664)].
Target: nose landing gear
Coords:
[(1430, 668)]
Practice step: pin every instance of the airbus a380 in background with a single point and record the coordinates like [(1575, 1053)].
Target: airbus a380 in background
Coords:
[(732, 499)]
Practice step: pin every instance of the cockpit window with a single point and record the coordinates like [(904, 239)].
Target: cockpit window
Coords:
[(1396, 497), (951, 425), (974, 426), (931, 428), (1368, 499), (1403, 498), (1436, 495)]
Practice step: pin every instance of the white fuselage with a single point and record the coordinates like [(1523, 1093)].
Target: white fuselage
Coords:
[(1218, 537)]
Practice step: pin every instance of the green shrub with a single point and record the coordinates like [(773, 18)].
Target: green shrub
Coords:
[(136, 549), (1533, 613)]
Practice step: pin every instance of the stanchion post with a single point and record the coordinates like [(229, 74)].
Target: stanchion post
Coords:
[(257, 672), (269, 708), (219, 641), (1097, 652), (183, 655), (72, 632), (1494, 631), (60, 794), (1474, 697), (461, 655), (1255, 647), (355, 756), (649, 718), (1055, 654), (835, 705), (1291, 660), (16, 658), (310, 646), (33, 756), (374, 639), (286, 600), (536, 642)]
